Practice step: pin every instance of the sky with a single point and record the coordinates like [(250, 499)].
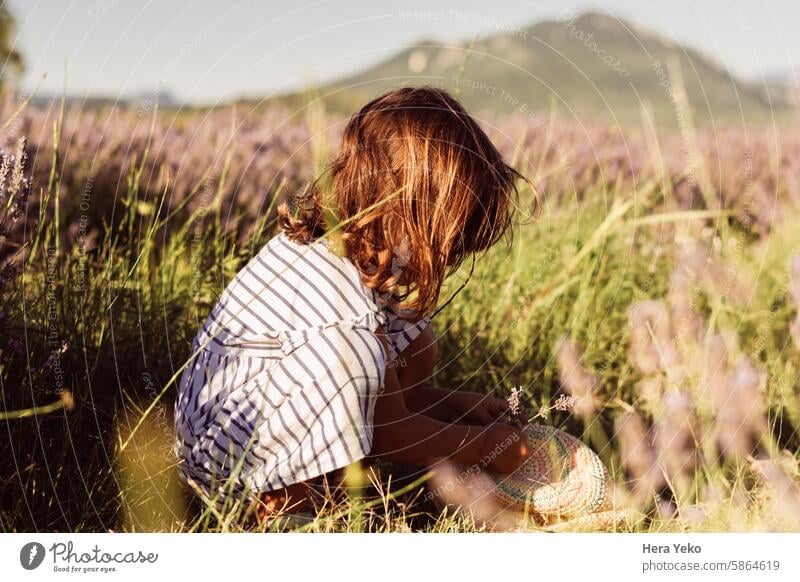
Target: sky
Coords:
[(209, 51)]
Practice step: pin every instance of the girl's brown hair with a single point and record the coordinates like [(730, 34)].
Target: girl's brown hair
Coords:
[(418, 187)]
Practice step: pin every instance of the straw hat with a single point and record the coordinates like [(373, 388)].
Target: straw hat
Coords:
[(562, 479)]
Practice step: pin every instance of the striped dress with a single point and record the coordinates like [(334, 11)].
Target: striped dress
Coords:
[(285, 372)]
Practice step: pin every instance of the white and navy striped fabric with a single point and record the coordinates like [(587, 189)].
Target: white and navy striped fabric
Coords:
[(286, 371)]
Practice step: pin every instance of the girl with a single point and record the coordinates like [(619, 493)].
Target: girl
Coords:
[(319, 352)]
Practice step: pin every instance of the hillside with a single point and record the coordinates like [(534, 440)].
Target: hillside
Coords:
[(591, 65)]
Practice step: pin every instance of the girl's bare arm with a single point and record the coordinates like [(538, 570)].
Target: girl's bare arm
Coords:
[(405, 436), (414, 371)]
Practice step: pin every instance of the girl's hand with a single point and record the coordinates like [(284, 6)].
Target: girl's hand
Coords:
[(504, 448), (476, 408)]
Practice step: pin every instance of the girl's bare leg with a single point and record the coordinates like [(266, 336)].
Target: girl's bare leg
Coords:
[(294, 498), (299, 497)]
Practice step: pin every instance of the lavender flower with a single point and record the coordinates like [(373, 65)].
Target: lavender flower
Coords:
[(13, 347), (780, 477), (515, 402), (686, 323), (794, 282), (794, 330), (675, 437), (55, 355), (7, 274), (564, 403), (651, 348), (576, 380), (636, 453), (739, 409)]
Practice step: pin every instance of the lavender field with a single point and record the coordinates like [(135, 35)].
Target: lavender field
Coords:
[(660, 287)]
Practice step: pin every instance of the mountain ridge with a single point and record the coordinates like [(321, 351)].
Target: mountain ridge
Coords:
[(589, 64)]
